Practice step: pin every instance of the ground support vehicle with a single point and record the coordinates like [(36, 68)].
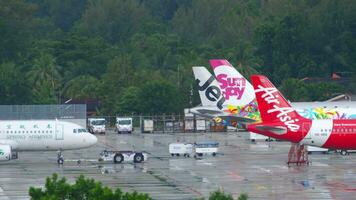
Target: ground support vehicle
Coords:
[(96, 125), (206, 148), (181, 149), (124, 125), (123, 156)]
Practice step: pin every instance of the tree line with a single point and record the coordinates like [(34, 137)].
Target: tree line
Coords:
[(87, 188), (136, 56)]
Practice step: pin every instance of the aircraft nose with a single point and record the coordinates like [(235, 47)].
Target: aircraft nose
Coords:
[(93, 140)]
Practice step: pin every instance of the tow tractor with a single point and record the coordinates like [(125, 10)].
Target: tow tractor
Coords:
[(123, 156)]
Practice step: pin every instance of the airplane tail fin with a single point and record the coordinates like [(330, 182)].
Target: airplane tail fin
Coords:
[(273, 106), (209, 90), (237, 90)]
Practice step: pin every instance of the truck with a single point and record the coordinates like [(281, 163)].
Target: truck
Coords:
[(178, 149), (96, 125), (123, 156), (124, 125)]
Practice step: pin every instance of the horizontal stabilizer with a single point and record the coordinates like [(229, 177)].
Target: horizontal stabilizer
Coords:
[(279, 130), (209, 111), (237, 119)]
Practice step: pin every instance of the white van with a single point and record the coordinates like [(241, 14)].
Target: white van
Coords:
[(124, 125), (96, 125)]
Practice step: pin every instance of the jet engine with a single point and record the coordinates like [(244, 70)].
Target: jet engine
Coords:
[(5, 152)]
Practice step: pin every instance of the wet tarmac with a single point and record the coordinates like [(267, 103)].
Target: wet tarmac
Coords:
[(258, 169)]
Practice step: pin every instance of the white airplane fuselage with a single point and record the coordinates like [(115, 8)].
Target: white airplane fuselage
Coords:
[(36, 135)]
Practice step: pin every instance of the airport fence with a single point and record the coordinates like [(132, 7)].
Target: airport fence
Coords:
[(75, 113), (172, 123)]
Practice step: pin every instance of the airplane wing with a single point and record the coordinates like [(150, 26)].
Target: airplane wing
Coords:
[(279, 130)]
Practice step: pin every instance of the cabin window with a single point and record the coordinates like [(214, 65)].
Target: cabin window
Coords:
[(50, 131), (46, 131), (74, 130), (321, 130)]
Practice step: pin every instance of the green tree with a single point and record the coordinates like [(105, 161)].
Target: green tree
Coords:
[(13, 85), (83, 188), (294, 90), (159, 97), (16, 21), (45, 79), (323, 91), (63, 13), (125, 17), (129, 102), (119, 75), (82, 87), (220, 195)]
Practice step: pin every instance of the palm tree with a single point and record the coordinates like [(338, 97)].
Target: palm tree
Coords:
[(45, 71)]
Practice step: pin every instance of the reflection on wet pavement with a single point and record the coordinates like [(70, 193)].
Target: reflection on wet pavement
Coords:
[(259, 169)]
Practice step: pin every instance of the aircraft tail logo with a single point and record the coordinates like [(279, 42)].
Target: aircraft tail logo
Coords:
[(273, 106), (209, 90), (236, 89)]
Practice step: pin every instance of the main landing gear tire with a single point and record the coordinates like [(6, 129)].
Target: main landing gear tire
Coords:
[(60, 161), (60, 158), (118, 158), (343, 152), (138, 158)]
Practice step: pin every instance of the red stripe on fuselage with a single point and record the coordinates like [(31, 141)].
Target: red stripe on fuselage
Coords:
[(343, 135)]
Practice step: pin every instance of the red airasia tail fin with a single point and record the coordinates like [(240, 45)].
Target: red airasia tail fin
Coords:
[(273, 106)]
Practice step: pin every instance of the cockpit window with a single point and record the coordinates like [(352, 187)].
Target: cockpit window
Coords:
[(80, 130)]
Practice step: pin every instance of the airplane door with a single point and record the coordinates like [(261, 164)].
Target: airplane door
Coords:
[(59, 131), (305, 128)]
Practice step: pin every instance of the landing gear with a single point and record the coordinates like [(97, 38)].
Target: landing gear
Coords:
[(60, 158), (343, 152)]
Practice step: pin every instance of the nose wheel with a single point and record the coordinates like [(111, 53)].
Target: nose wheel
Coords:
[(60, 158)]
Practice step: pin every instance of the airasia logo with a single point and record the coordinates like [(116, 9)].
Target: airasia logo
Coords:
[(232, 86), (270, 98), (212, 92)]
